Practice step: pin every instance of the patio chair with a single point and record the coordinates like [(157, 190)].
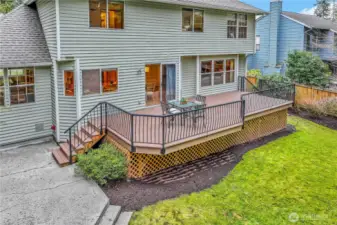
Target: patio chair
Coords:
[(169, 110), (201, 99), (199, 113)]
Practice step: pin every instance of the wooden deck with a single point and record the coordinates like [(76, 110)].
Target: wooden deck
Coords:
[(223, 115)]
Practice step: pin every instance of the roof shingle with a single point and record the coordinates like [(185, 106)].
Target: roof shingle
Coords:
[(22, 41)]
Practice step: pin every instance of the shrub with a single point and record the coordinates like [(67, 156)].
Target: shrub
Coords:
[(273, 81), (304, 68), (102, 165), (254, 73), (326, 107)]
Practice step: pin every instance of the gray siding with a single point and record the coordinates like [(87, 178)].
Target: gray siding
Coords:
[(67, 104), (152, 34), (47, 14), (189, 76), (18, 121)]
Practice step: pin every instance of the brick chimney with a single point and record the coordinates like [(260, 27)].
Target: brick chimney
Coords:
[(275, 17)]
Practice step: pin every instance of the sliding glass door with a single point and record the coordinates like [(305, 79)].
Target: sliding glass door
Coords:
[(168, 82)]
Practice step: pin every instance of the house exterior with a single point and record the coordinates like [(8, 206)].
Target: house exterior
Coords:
[(280, 32), (59, 58)]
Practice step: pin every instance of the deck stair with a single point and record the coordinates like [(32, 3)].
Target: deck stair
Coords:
[(82, 136)]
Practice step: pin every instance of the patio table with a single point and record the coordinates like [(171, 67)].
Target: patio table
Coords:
[(185, 108)]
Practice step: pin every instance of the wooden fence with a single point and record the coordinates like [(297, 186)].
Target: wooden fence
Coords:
[(306, 94)]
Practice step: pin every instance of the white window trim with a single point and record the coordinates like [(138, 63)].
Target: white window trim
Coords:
[(236, 69), (107, 17), (203, 18), (9, 88)]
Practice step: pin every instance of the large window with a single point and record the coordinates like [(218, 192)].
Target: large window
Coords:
[(193, 20), (237, 26), (106, 14), (206, 73), (217, 72), (109, 80), (91, 82), (2, 88), (69, 83), (21, 84)]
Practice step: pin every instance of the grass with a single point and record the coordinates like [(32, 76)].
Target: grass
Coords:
[(293, 176)]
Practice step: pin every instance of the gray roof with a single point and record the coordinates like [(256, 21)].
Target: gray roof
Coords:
[(312, 21), (22, 41), (231, 5)]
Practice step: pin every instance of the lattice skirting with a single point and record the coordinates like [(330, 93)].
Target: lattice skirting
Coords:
[(140, 165)]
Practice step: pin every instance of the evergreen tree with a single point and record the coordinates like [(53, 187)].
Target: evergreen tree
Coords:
[(323, 9)]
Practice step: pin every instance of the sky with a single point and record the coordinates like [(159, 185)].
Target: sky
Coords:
[(302, 6)]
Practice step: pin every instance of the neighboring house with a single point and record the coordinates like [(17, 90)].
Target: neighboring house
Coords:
[(280, 32), (59, 58)]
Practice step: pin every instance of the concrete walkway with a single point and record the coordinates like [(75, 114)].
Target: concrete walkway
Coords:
[(34, 190)]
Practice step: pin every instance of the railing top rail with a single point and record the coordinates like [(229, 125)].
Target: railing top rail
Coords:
[(271, 89), (79, 120)]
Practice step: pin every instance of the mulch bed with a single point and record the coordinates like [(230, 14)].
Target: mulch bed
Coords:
[(327, 121), (137, 194)]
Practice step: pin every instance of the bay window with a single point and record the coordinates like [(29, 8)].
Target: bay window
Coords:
[(106, 14), (2, 88), (193, 20), (21, 85)]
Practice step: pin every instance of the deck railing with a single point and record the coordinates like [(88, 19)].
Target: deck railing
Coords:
[(164, 130), (268, 99), (245, 85)]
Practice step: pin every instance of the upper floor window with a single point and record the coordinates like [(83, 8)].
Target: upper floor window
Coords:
[(21, 84), (258, 42), (69, 83), (193, 20), (2, 88), (237, 26), (106, 14)]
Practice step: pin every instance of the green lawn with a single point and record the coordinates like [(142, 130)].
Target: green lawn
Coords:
[(294, 174)]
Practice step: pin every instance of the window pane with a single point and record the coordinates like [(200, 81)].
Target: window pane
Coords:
[(242, 32), (2, 73), (232, 21), (21, 80), (218, 66), (13, 80), (198, 20), (187, 19), (231, 32), (97, 13), (91, 82), (206, 67), (14, 95), (218, 78), (110, 80), (116, 15), (243, 20), (2, 96), (230, 65), (69, 84), (206, 80), (230, 77)]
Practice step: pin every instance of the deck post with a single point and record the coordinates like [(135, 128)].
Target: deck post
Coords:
[(294, 96), (163, 134), (70, 149), (131, 135), (243, 112), (101, 112)]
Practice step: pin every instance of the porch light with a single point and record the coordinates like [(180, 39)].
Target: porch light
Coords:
[(147, 69)]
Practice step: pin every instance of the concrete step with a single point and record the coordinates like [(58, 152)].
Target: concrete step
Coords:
[(124, 218), (111, 215)]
